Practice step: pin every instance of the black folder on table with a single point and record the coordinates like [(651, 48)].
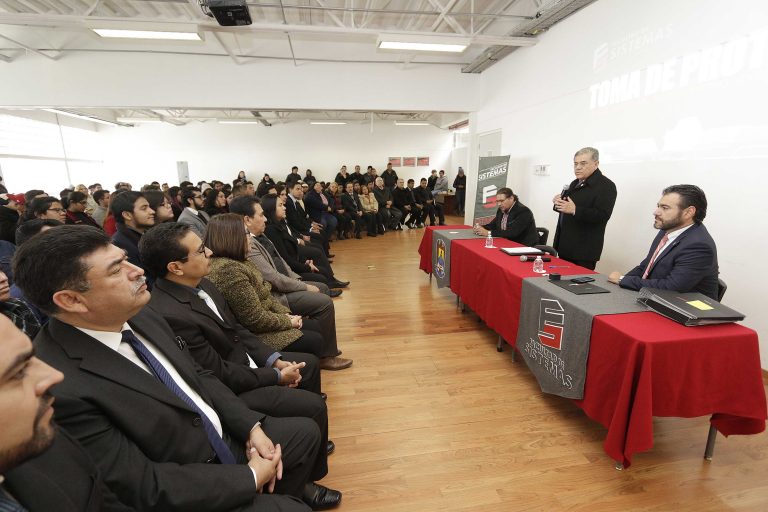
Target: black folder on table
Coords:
[(580, 288), (689, 308)]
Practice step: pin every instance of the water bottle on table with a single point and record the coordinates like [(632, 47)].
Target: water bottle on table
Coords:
[(489, 241), (538, 265)]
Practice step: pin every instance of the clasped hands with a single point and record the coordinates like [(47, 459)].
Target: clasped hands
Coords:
[(265, 458), (564, 205)]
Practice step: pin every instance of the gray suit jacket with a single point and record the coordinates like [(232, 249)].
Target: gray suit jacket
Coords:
[(194, 222), (281, 284)]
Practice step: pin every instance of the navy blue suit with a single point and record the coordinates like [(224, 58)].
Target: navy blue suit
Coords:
[(689, 264)]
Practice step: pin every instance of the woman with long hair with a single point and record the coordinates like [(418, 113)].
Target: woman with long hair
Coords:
[(161, 203), (250, 298), (215, 202), (264, 185)]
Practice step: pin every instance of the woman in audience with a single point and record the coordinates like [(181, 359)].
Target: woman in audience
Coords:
[(76, 213), (250, 298), (264, 185), (159, 202), (46, 208), (281, 236), (215, 202), (241, 179), (309, 178), (174, 193), (343, 219), (371, 205)]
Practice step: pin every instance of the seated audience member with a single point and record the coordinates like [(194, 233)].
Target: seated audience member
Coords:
[(342, 177), (389, 214), (421, 214), (161, 204), (174, 195), (11, 208), (293, 177), (309, 178), (44, 469), (344, 221), (320, 210), (264, 185), (214, 202), (683, 256), (404, 201), (370, 177), (133, 217), (17, 310), (299, 221), (76, 214), (129, 375), (424, 197), (371, 205), (101, 197), (514, 221), (305, 299), (24, 233), (298, 256), (353, 207), (46, 208), (250, 298), (193, 215), (29, 195)]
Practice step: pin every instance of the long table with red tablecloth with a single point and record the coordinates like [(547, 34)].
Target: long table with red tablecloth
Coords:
[(640, 365)]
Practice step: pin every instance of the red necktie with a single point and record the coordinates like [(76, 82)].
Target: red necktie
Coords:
[(662, 243)]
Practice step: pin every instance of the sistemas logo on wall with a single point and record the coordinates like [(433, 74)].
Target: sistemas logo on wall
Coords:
[(440, 263), (551, 323)]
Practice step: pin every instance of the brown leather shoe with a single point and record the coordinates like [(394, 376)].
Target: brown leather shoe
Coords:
[(334, 363)]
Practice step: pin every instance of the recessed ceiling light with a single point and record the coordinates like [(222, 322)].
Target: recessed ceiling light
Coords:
[(327, 122), (238, 121), (146, 34), (411, 123), (422, 47), (135, 120)]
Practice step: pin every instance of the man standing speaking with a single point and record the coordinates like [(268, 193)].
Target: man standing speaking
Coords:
[(584, 208)]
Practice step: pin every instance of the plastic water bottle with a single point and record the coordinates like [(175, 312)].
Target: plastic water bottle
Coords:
[(538, 265), (489, 241)]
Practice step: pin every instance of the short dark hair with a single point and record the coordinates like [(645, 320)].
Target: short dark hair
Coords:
[(99, 195), (40, 206), (188, 194), (155, 198), (29, 195), (185, 184), (507, 192), (76, 197), (33, 227), (243, 205), (53, 261), (690, 195), (238, 189), (410, 180), (123, 202), (225, 237), (160, 245)]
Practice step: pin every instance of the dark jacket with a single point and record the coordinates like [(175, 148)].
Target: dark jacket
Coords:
[(422, 195), (287, 246), (390, 178), (9, 220), (401, 197), (315, 205), (128, 240), (521, 227), (382, 196), (341, 179), (81, 218), (296, 217), (351, 203), (580, 236), (216, 345), (689, 264)]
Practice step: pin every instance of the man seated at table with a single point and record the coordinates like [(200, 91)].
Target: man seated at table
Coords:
[(683, 256), (167, 434), (514, 221)]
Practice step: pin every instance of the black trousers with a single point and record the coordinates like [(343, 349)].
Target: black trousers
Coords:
[(313, 341)]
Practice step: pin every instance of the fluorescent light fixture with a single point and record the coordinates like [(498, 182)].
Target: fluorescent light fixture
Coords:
[(146, 34), (136, 120), (80, 116), (327, 122), (404, 42), (411, 123), (238, 121)]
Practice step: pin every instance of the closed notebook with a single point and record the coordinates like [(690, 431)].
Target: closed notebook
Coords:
[(689, 308)]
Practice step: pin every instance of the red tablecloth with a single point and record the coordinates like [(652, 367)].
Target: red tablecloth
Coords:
[(425, 247), (640, 364)]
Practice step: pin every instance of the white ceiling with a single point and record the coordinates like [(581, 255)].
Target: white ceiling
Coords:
[(292, 30)]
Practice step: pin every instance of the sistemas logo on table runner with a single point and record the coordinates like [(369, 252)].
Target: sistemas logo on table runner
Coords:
[(440, 263), (551, 323)]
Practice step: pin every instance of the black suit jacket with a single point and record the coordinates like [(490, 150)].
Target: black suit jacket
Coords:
[(351, 203), (219, 346), (521, 227), (287, 246), (422, 195), (296, 217), (64, 479), (128, 240), (150, 445), (580, 236), (689, 264)]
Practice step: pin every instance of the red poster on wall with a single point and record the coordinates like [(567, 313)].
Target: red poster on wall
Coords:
[(409, 161), (422, 161), (395, 161)]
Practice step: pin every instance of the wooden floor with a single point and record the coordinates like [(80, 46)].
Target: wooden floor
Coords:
[(431, 418)]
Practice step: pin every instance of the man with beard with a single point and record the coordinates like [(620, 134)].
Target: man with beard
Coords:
[(43, 468), (133, 216), (683, 256)]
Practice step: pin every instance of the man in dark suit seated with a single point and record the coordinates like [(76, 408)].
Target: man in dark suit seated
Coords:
[(351, 202), (424, 198), (683, 256), (167, 434), (514, 221), (299, 221), (44, 468)]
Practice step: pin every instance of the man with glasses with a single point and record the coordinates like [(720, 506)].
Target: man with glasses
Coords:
[(193, 215), (76, 214), (513, 221)]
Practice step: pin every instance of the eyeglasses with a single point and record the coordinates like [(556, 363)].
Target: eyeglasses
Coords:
[(200, 250)]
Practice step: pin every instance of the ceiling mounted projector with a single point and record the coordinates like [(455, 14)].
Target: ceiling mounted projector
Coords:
[(229, 13)]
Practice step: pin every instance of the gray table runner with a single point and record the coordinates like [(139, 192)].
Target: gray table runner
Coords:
[(441, 252), (555, 327)]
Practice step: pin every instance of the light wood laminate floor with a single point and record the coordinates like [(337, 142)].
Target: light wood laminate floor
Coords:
[(431, 418)]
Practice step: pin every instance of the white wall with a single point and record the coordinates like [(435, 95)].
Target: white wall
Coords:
[(150, 152), (692, 109)]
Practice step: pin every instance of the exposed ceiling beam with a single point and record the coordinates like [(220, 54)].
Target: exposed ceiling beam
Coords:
[(330, 13), (29, 48), (385, 10), (442, 17)]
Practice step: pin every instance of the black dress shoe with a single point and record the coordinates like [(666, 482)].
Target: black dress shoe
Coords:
[(338, 284), (323, 396), (331, 255), (330, 448), (319, 497), (335, 293)]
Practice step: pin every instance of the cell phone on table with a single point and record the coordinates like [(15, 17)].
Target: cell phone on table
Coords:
[(582, 280)]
